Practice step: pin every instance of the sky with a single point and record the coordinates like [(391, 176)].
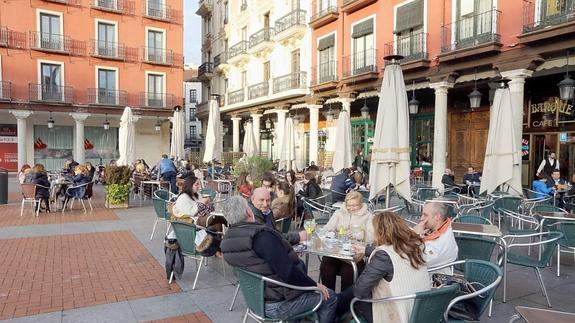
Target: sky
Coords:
[(192, 33)]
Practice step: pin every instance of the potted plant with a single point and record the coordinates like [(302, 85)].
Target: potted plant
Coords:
[(256, 166), (118, 186)]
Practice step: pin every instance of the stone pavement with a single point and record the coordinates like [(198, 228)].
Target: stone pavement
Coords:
[(102, 267)]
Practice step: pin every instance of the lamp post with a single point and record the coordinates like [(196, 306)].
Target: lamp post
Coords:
[(364, 110), (50, 121), (567, 85), (475, 95), (158, 125), (106, 123), (413, 103)]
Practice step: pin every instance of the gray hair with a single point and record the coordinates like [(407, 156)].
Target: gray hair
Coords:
[(437, 208), (235, 209)]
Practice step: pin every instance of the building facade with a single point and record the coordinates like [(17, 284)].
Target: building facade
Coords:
[(192, 94), (78, 63)]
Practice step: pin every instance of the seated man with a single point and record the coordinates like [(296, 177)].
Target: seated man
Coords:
[(448, 181), (258, 248), (435, 229), (471, 177), (341, 184), (540, 186), (560, 186)]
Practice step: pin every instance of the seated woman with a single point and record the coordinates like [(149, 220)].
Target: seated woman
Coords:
[(310, 190), (80, 177), (91, 170), (22, 173), (245, 185), (290, 178), (396, 267), (283, 206), (40, 178), (140, 174), (353, 215), (540, 186)]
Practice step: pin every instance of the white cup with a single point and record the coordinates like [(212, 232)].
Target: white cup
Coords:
[(346, 246)]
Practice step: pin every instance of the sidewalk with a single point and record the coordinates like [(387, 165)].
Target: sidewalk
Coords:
[(102, 267)]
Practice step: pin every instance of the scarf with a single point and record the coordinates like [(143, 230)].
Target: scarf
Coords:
[(437, 233)]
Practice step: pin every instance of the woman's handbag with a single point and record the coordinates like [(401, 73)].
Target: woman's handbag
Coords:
[(465, 310)]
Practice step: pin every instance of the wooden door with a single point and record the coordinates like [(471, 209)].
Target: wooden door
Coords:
[(468, 133)]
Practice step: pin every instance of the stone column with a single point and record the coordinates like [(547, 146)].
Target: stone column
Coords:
[(79, 151), (280, 126), (21, 125), (256, 119), (346, 103), (236, 134), (440, 132), (313, 132)]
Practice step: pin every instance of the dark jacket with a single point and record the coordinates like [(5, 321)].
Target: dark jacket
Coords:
[(448, 180), (340, 185), (311, 190), (174, 258), (471, 177), (268, 220), (41, 178), (244, 248), (551, 182)]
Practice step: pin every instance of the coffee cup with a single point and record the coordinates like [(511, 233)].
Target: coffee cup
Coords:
[(346, 246)]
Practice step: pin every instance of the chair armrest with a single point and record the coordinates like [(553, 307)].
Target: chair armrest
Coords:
[(314, 289), (376, 300), (471, 295), (541, 242)]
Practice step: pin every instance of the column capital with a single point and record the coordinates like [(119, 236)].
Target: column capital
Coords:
[(236, 118), (314, 106), (21, 114), (256, 115), (515, 75), (284, 112), (80, 116), (441, 86)]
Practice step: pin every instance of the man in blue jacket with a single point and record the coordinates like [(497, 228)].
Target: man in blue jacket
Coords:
[(168, 172)]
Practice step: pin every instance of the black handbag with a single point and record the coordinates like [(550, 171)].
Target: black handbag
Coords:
[(465, 310)]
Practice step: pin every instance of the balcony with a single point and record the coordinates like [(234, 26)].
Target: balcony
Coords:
[(206, 71), (205, 8), (238, 54), (5, 90), (471, 35), (157, 100), (261, 41), (109, 50), (107, 97), (324, 75), (56, 43), (67, 2), (360, 66), (123, 7), (157, 56), (541, 24), (291, 26), (162, 12), (324, 16), (221, 61), (292, 81), (236, 97), (207, 42), (413, 49), (350, 6), (12, 39), (50, 93), (258, 90)]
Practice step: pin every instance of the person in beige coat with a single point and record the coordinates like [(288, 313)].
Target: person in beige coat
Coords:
[(355, 221)]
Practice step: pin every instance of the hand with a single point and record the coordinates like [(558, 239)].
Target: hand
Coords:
[(302, 236), (358, 249), (420, 227), (324, 291), (205, 200)]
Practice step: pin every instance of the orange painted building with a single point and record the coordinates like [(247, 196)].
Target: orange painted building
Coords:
[(79, 63)]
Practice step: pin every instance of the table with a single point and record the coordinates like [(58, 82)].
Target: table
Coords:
[(553, 216), (487, 230), (536, 315), (55, 187), (152, 183), (333, 249)]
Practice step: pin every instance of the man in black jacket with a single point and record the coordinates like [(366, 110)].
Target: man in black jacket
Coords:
[(257, 248)]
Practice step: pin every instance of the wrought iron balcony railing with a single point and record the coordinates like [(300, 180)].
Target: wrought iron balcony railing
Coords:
[(331, 8), (157, 100), (155, 10), (101, 96), (50, 42), (324, 72), (106, 49), (471, 31), (67, 2), (5, 90), (206, 68), (261, 36), (50, 93), (412, 47), (290, 81), (160, 56), (221, 58), (12, 39), (538, 15), (238, 49), (294, 18), (118, 6), (258, 90), (360, 63), (236, 96)]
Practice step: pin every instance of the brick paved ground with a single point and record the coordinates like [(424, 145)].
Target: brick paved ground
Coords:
[(55, 273), (199, 317)]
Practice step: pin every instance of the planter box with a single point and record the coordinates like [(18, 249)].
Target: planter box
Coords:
[(124, 205)]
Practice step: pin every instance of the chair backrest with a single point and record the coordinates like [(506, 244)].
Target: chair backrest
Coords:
[(162, 194), (472, 247), (568, 230), (549, 246), (284, 224), (186, 235), (483, 275), (546, 208), (426, 193), (511, 203), (208, 191), (471, 218), (252, 287), (160, 207), (89, 190), (429, 306), (320, 212), (28, 190)]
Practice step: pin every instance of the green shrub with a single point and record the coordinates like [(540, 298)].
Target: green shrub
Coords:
[(118, 175), (256, 166), (118, 193)]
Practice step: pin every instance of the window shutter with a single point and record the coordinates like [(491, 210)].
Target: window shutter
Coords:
[(409, 16), (326, 42), (363, 28)]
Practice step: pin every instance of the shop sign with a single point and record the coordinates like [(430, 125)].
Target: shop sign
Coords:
[(8, 147), (549, 113)]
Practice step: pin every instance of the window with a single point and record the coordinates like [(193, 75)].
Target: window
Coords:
[(244, 79), (155, 8), (107, 93), (193, 98), (474, 18), (266, 71), (51, 82), (225, 12), (156, 46), (193, 131), (107, 40), (421, 138), (409, 30), (324, 5), (363, 58), (295, 61), (192, 114), (50, 33), (244, 5), (155, 90), (245, 33), (326, 62)]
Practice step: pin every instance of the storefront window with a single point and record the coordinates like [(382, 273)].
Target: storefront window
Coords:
[(53, 146), (101, 145), (422, 140)]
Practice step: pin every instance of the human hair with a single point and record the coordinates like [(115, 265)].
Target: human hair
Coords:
[(556, 171), (24, 168), (235, 209), (291, 178), (438, 208), (82, 169), (140, 168), (310, 176), (38, 168), (354, 195), (269, 177), (289, 192), (242, 179), (358, 178), (188, 187), (164, 156), (390, 230)]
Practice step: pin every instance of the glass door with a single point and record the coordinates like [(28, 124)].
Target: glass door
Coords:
[(51, 82), (155, 90), (155, 46), (107, 87), (107, 40), (50, 33)]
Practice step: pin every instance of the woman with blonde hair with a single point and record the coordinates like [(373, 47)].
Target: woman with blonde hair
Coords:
[(396, 267), (352, 218), (40, 178)]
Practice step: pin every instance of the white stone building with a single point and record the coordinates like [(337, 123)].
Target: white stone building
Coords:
[(192, 95)]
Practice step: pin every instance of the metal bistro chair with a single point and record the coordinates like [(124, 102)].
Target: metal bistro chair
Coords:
[(511, 203), (85, 193), (29, 196), (470, 218), (161, 209), (252, 286), (428, 306), (320, 212), (567, 243)]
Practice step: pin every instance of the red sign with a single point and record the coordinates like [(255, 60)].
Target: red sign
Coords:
[(8, 147)]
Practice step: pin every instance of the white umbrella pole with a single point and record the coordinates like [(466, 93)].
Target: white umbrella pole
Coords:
[(387, 189)]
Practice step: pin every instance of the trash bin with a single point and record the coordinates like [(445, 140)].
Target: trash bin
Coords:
[(3, 186)]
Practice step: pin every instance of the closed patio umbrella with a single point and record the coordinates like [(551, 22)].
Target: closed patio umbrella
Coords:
[(390, 151), (249, 144), (214, 142), (178, 134), (127, 138), (502, 164), (287, 147), (342, 157)]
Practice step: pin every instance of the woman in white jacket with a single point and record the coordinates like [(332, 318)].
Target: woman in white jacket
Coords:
[(351, 218)]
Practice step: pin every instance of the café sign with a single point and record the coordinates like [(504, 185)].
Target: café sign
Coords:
[(549, 113)]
